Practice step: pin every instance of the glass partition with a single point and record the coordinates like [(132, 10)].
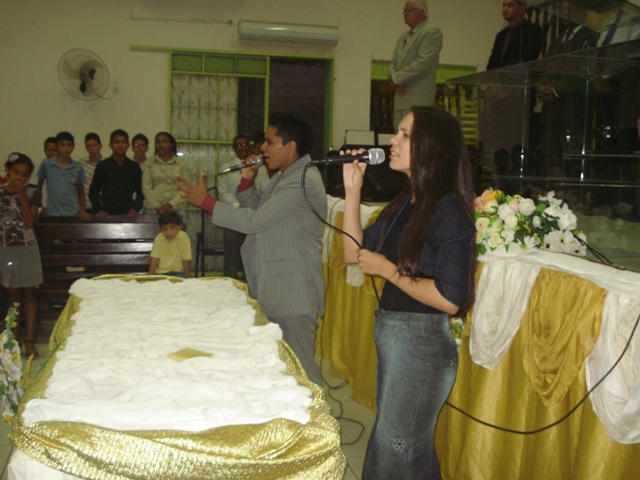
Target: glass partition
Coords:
[(569, 123)]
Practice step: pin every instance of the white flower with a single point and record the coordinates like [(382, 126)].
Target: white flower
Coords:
[(482, 226), (571, 245), (567, 220), (553, 211), (535, 221), (511, 222), (15, 372), (495, 240), (552, 241), (505, 211), (526, 206), (576, 248), (457, 321), (508, 235), (550, 199), (531, 241)]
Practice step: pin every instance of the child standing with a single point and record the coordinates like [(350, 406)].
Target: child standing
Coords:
[(93, 144), (140, 146), (171, 253), (65, 181), (20, 267)]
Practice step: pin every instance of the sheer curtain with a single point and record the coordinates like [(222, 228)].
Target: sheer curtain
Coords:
[(204, 107)]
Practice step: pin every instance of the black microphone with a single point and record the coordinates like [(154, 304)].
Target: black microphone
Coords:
[(257, 162), (373, 156)]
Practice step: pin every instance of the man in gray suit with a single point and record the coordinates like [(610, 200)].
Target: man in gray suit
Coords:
[(282, 253), (412, 70)]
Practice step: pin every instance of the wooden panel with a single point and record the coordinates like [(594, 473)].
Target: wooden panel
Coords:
[(72, 249), (95, 248), (103, 259), (118, 231)]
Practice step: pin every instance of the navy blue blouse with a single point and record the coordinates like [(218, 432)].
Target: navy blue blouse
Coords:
[(445, 254)]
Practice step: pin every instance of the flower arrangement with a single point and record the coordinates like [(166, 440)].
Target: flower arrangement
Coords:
[(11, 380), (457, 325), (505, 223)]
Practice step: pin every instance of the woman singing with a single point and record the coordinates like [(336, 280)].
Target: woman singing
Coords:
[(423, 246)]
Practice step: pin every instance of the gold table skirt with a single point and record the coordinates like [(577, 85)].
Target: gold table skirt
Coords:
[(280, 449)]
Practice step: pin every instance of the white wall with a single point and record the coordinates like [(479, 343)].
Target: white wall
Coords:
[(35, 33)]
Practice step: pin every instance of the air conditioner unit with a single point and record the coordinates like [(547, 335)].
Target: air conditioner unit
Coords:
[(288, 33)]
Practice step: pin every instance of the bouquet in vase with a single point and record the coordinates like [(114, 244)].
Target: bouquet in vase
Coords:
[(508, 223)]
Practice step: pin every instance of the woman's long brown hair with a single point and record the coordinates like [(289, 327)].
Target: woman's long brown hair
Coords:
[(439, 165)]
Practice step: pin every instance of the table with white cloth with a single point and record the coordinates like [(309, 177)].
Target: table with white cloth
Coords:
[(545, 328), (158, 378)]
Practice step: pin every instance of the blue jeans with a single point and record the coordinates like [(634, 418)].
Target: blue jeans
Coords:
[(417, 362)]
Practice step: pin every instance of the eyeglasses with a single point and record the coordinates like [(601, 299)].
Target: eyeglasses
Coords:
[(241, 145), (408, 10)]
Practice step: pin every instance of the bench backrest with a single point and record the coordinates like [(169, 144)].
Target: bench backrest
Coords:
[(71, 248)]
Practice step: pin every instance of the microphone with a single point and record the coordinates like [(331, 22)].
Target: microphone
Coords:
[(373, 156), (257, 162)]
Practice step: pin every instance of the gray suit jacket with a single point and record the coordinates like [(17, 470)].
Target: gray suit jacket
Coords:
[(414, 65), (282, 254)]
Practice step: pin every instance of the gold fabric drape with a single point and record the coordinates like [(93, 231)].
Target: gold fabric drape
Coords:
[(280, 449), (555, 352), (345, 334), (540, 379)]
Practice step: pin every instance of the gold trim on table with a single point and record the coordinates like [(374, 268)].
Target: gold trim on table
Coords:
[(280, 449)]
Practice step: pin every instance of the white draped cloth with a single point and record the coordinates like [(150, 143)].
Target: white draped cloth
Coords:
[(114, 371), (355, 277), (616, 401), (501, 299)]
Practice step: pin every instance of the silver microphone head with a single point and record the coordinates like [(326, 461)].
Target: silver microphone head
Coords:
[(258, 161), (376, 156)]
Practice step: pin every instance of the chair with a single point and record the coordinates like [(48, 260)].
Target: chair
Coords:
[(208, 242)]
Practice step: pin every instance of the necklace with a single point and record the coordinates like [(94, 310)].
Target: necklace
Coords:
[(393, 222)]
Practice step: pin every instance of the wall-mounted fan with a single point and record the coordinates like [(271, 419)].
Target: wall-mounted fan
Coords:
[(83, 74)]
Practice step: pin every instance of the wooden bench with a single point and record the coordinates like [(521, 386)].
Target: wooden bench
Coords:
[(71, 249)]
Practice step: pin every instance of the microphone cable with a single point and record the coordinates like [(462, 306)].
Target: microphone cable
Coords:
[(344, 383), (596, 253), (482, 422), (324, 221)]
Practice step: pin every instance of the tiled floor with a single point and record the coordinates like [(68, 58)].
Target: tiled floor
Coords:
[(355, 421)]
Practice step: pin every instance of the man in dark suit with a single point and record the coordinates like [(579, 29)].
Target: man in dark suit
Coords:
[(519, 42), (574, 39), (576, 36), (282, 253)]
